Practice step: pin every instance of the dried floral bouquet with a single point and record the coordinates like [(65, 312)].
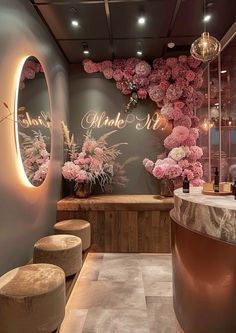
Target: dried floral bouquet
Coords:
[(93, 163)]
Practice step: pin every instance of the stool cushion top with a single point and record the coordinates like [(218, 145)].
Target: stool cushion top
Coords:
[(73, 224), (31, 280), (57, 242)]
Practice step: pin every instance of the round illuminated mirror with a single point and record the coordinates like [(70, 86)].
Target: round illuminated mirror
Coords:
[(33, 121)]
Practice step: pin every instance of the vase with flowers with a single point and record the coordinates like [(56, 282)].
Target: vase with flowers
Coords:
[(181, 161), (91, 164)]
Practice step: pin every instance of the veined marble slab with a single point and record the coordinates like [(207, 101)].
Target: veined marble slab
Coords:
[(211, 215)]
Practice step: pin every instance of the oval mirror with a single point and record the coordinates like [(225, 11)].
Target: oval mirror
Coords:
[(33, 121)]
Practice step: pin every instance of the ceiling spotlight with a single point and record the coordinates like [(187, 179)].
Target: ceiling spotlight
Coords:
[(141, 20), (139, 53), (223, 71), (75, 23), (216, 104), (207, 18), (171, 45), (85, 48)]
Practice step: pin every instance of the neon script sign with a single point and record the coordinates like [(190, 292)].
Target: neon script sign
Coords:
[(93, 119)]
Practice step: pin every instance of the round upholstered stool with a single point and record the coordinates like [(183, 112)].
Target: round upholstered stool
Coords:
[(79, 228), (32, 299), (64, 251)]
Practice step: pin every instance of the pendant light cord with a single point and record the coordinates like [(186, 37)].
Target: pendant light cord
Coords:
[(204, 15)]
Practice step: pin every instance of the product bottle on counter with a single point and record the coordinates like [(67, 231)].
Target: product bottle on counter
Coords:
[(186, 185), (234, 189), (216, 181)]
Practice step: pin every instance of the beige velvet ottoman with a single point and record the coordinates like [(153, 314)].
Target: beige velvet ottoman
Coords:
[(32, 299), (64, 251), (79, 228)]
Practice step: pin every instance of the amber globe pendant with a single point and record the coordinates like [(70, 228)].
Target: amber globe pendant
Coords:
[(205, 48)]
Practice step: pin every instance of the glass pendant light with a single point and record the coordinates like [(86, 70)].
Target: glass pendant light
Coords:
[(206, 47)]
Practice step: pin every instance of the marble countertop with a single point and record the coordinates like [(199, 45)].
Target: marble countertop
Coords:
[(211, 215)]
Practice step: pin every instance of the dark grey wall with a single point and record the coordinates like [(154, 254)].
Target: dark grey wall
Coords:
[(27, 213), (94, 92)]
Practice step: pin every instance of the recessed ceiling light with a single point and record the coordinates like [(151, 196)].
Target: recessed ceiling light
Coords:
[(85, 51), (207, 18), (216, 104), (171, 45), (223, 71), (75, 23), (139, 53), (141, 20)]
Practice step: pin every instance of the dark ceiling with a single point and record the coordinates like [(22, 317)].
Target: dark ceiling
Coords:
[(110, 28)]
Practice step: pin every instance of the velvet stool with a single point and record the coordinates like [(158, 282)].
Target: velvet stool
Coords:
[(32, 299), (64, 251), (76, 227)]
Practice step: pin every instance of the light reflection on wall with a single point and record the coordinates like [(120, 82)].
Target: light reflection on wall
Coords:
[(20, 167)]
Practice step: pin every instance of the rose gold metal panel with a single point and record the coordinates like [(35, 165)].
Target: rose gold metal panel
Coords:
[(204, 281)]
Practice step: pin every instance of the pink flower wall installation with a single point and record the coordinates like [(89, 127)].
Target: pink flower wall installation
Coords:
[(173, 85), (31, 68)]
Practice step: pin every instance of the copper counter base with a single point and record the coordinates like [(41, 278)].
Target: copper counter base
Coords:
[(204, 282)]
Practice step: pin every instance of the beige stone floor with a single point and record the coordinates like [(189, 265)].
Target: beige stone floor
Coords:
[(122, 293)]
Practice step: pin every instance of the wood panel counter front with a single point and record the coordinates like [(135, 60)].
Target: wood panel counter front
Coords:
[(123, 223)]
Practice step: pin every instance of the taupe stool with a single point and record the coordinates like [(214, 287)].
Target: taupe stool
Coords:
[(32, 299), (64, 251), (76, 227)]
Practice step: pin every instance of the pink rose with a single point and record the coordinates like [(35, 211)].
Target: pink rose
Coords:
[(174, 171), (118, 75), (142, 93), (180, 133), (108, 73), (149, 166), (197, 182), (159, 171), (142, 69)]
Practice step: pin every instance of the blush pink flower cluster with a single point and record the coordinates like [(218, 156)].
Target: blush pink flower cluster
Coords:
[(173, 85), (30, 69), (94, 162)]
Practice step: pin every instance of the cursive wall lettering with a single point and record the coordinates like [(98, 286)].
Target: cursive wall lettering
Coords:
[(26, 121), (93, 119)]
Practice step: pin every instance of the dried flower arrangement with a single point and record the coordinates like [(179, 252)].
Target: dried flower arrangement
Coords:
[(35, 157), (94, 162)]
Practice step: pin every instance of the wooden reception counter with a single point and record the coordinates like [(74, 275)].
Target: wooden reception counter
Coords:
[(204, 262), (123, 223)]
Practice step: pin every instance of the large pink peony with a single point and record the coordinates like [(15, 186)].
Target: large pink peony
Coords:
[(81, 176), (173, 171), (90, 66), (180, 133), (159, 171), (170, 142), (195, 153), (173, 92), (108, 73), (188, 173), (183, 121), (70, 170), (143, 69), (156, 93), (105, 64), (118, 75), (197, 182)]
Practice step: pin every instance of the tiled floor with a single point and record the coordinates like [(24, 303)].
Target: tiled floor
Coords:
[(122, 293)]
